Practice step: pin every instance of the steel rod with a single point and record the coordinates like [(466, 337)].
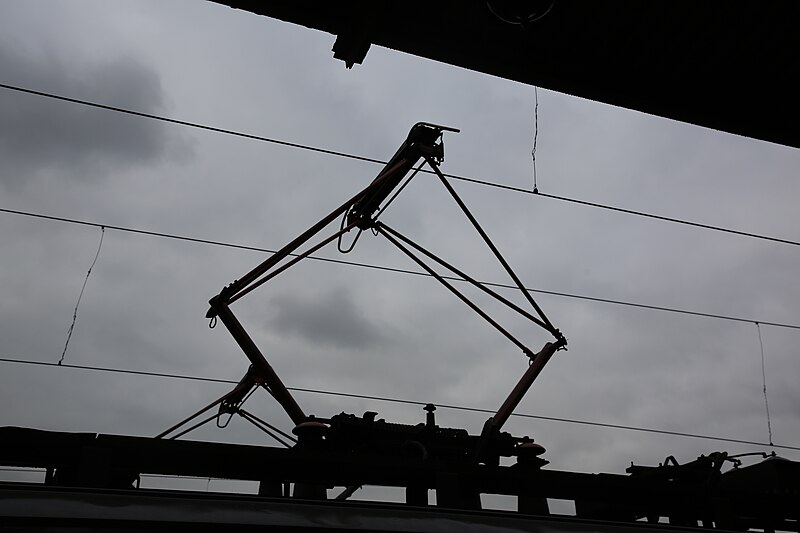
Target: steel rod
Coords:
[(261, 367), (491, 245), (185, 431), (452, 289), (273, 428), (275, 258), (525, 382), (465, 276), (250, 418), (198, 413), (398, 191), (296, 259), (243, 390), (347, 492)]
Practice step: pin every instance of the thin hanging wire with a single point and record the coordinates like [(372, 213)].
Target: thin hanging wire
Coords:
[(764, 382), (384, 268), (535, 137), (78, 303), (356, 157), (260, 424), (402, 401)]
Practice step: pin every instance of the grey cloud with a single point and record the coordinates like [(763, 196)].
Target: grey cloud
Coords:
[(39, 135), (331, 318)]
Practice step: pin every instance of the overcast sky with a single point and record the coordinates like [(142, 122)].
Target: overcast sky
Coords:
[(356, 330)]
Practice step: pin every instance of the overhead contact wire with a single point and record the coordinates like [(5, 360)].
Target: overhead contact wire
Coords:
[(346, 155), (406, 402), (397, 270)]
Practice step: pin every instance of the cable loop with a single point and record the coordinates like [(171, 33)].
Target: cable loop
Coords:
[(339, 239)]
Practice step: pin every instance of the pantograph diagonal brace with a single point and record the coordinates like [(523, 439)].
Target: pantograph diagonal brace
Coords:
[(423, 141), (234, 397), (461, 274), (547, 324), (472, 305), (361, 212)]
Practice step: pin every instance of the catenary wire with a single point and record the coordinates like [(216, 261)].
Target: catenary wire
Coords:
[(378, 161), (406, 402), (764, 383), (535, 135), (462, 178), (80, 295), (382, 162), (398, 270)]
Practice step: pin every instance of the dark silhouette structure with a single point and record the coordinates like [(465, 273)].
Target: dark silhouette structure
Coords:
[(364, 435), (92, 481), (729, 66), (90, 484)]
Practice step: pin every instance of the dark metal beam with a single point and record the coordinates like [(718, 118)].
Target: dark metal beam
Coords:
[(103, 461), (730, 67)]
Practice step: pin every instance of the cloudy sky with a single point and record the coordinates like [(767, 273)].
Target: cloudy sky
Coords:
[(356, 330)]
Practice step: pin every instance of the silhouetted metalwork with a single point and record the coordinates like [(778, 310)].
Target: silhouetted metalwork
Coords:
[(347, 432), (82, 469), (729, 67), (349, 451)]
